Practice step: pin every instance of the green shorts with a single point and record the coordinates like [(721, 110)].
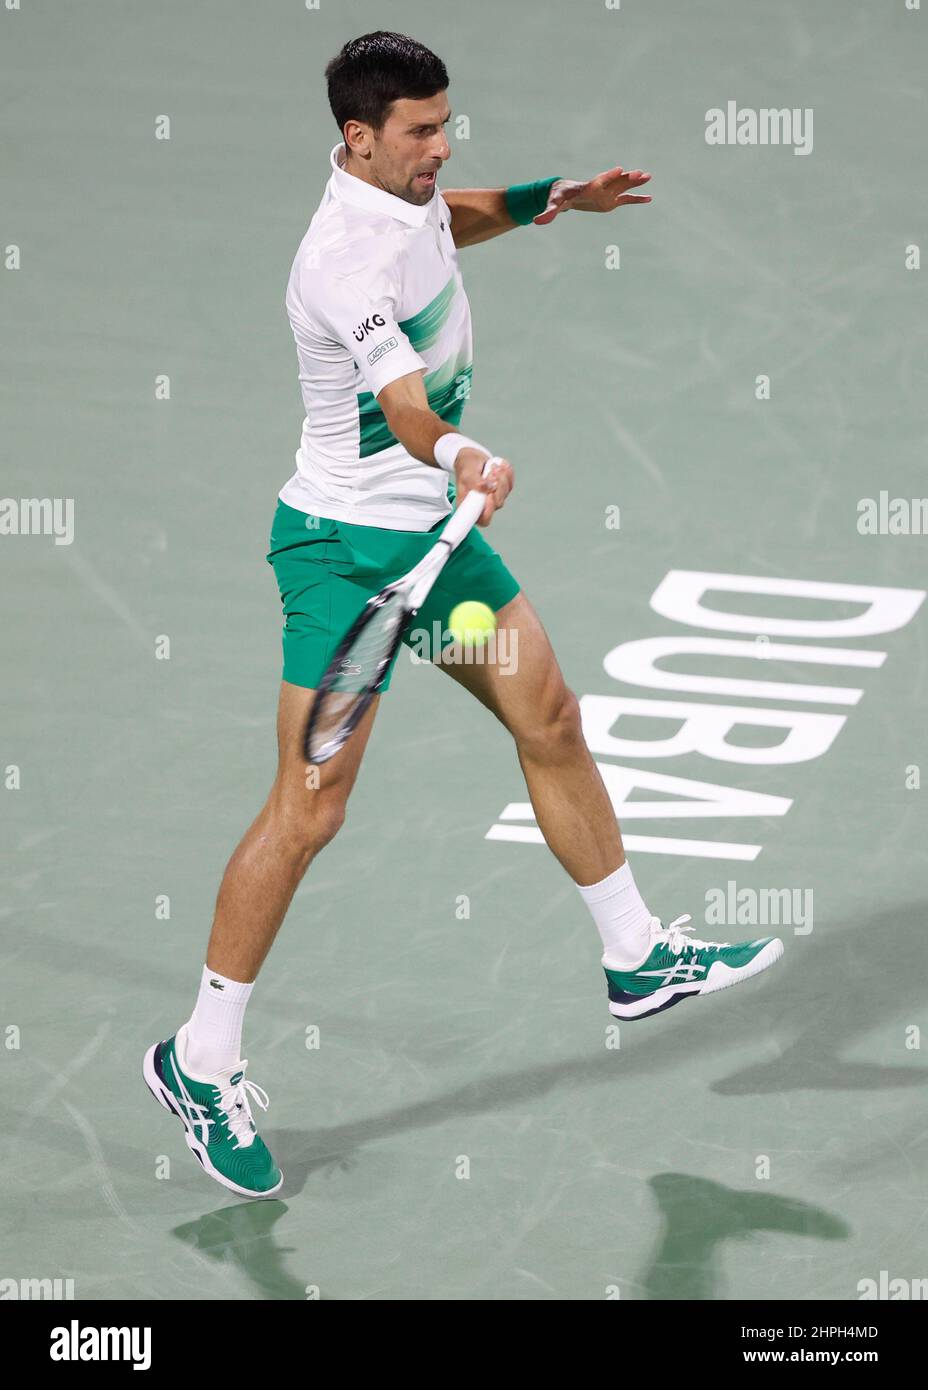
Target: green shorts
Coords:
[(327, 570)]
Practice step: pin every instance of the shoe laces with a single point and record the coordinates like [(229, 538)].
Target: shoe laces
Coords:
[(234, 1102), (677, 936)]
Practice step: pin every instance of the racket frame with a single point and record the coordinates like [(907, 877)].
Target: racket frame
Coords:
[(416, 585)]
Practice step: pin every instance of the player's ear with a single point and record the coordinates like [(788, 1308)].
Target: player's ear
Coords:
[(357, 139)]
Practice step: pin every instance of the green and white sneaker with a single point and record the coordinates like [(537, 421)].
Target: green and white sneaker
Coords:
[(678, 967), (218, 1125)]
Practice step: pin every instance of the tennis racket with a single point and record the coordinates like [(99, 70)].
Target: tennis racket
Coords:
[(363, 656)]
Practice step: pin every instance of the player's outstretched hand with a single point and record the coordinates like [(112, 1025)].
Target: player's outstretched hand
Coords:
[(604, 193), (468, 474)]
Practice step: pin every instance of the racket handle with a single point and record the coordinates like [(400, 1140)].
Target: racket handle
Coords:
[(468, 513)]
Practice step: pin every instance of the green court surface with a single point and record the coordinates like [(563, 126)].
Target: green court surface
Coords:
[(469, 1125)]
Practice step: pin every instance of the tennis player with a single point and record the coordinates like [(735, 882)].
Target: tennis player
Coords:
[(384, 345)]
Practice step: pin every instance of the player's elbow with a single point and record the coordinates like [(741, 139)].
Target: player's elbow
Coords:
[(395, 413)]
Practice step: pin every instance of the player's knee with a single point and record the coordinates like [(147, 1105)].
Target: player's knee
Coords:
[(556, 730), (313, 824), (327, 822), (567, 726)]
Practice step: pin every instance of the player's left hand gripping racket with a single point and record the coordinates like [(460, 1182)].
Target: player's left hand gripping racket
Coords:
[(362, 659)]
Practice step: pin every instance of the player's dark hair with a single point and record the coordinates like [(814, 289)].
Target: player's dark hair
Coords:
[(374, 71)]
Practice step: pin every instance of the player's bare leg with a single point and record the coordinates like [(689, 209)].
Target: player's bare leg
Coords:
[(648, 967), (303, 812), (198, 1074), (570, 802)]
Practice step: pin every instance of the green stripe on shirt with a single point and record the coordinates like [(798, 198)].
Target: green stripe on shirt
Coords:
[(423, 328), (447, 392)]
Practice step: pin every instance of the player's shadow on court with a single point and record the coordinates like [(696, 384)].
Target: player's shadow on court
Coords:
[(817, 1002), (699, 1216), (242, 1237), (833, 987)]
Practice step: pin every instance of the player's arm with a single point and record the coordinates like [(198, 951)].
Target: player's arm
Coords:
[(417, 427), (364, 324), (477, 214)]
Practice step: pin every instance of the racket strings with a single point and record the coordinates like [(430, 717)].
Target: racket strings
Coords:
[(359, 672)]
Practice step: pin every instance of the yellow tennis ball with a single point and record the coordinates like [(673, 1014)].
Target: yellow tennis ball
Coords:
[(472, 624)]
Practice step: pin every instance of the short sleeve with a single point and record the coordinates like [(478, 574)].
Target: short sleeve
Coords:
[(364, 324)]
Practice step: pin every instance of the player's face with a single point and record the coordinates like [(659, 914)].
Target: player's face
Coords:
[(412, 147)]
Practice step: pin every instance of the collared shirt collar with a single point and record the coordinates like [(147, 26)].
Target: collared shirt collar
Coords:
[(351, 189)]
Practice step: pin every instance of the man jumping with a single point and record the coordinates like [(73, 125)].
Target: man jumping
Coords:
[(383, 338)]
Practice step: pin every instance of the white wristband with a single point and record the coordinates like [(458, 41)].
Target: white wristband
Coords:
[(448, 446)]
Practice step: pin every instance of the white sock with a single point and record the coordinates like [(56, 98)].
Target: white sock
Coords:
[(623, 921), (213, 1036)]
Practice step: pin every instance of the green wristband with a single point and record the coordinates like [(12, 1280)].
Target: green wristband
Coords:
[(524, 201)]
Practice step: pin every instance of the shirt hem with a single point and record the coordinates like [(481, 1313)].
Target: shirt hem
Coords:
[(362, 516)]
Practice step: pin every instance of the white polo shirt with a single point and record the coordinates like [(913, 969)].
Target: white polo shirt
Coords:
[(375, 293)]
